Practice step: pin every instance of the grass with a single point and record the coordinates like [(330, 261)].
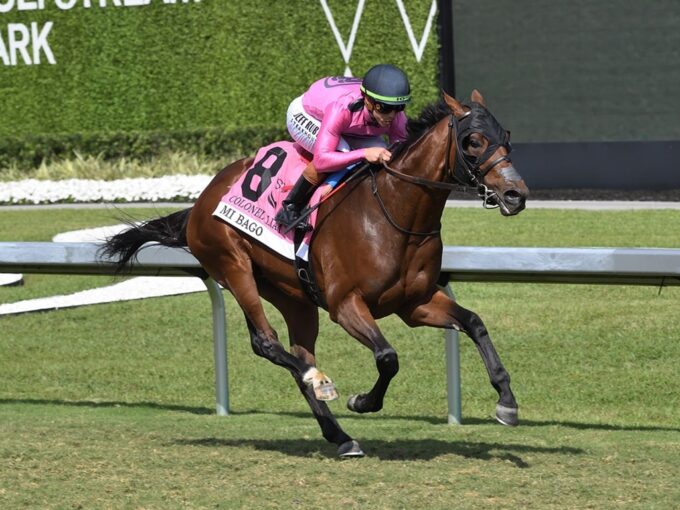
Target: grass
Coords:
[(112, 406)]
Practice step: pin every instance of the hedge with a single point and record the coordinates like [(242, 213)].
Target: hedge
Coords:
[(219, 144), (171, 74)]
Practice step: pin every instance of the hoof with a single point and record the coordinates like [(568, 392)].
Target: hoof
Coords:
[(326, 391), (507, 415), (323, 387), (350, 449), (352, 404)]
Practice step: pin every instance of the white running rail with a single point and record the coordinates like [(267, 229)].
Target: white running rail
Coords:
[(629, 266)]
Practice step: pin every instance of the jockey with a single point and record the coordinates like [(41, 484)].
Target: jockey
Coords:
[(342, 121)]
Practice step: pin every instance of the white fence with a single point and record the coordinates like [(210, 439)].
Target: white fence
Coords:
[(630, 266)]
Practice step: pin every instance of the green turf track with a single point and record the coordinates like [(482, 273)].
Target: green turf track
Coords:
[(112, 406)]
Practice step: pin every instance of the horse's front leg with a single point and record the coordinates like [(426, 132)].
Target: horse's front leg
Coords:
[(354, 316), (443, 312)]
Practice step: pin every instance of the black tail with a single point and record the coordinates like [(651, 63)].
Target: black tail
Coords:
[(169, 230)]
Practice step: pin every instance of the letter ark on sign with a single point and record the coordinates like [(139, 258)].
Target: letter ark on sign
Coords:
[(20, 44)]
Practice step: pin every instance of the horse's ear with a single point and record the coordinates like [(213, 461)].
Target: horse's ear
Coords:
[(455, 106), (477, 97)]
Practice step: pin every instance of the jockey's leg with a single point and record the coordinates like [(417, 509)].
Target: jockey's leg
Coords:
[(298, 197), (302, 126)]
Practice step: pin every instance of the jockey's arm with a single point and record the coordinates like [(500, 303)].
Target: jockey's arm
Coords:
[(326, 156)]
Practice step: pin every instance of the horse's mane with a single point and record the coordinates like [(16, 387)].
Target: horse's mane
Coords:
[(417, 126)]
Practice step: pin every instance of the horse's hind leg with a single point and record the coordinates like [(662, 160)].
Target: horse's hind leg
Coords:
[(354, 316), (302, 320), (225, 255), (233, 270), (443, 312), (265, 343)]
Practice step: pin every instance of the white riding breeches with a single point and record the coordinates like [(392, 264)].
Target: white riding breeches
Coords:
[(304, 128)]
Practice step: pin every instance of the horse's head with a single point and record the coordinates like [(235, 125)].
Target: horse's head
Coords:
[(482, 156)]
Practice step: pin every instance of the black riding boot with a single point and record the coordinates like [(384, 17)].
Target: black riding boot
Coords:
[(290, 209)]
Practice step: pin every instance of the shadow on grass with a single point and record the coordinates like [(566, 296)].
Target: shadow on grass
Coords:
[(433, 420), (578, 425), (407, 449), (441, 420), (103, 403)]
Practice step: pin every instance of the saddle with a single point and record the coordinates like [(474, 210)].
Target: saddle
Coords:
[(254, 199)]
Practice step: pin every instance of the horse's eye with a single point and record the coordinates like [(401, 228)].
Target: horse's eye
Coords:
[(475, 144)]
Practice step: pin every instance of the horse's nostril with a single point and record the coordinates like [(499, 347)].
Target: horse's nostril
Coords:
[(513, 197)]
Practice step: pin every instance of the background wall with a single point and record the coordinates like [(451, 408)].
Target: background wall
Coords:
[(588, 70), (587, 87)]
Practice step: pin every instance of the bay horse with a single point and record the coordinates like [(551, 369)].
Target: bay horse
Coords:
[(376, 251)]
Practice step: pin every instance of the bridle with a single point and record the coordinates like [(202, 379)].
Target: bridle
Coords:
[(466, 172)]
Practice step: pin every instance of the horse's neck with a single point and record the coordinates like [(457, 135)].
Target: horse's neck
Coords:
[(421, 205)]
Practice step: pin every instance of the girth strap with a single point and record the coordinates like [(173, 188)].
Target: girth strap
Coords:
[(305, 274)]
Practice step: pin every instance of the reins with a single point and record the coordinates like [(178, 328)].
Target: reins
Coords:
[(470, 179), (473, 172), (374, 190), (420, 181)]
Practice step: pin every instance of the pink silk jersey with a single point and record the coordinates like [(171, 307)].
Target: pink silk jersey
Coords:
[(328, 100)]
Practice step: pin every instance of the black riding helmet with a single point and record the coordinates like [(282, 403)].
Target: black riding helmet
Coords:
[(387, 84)]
